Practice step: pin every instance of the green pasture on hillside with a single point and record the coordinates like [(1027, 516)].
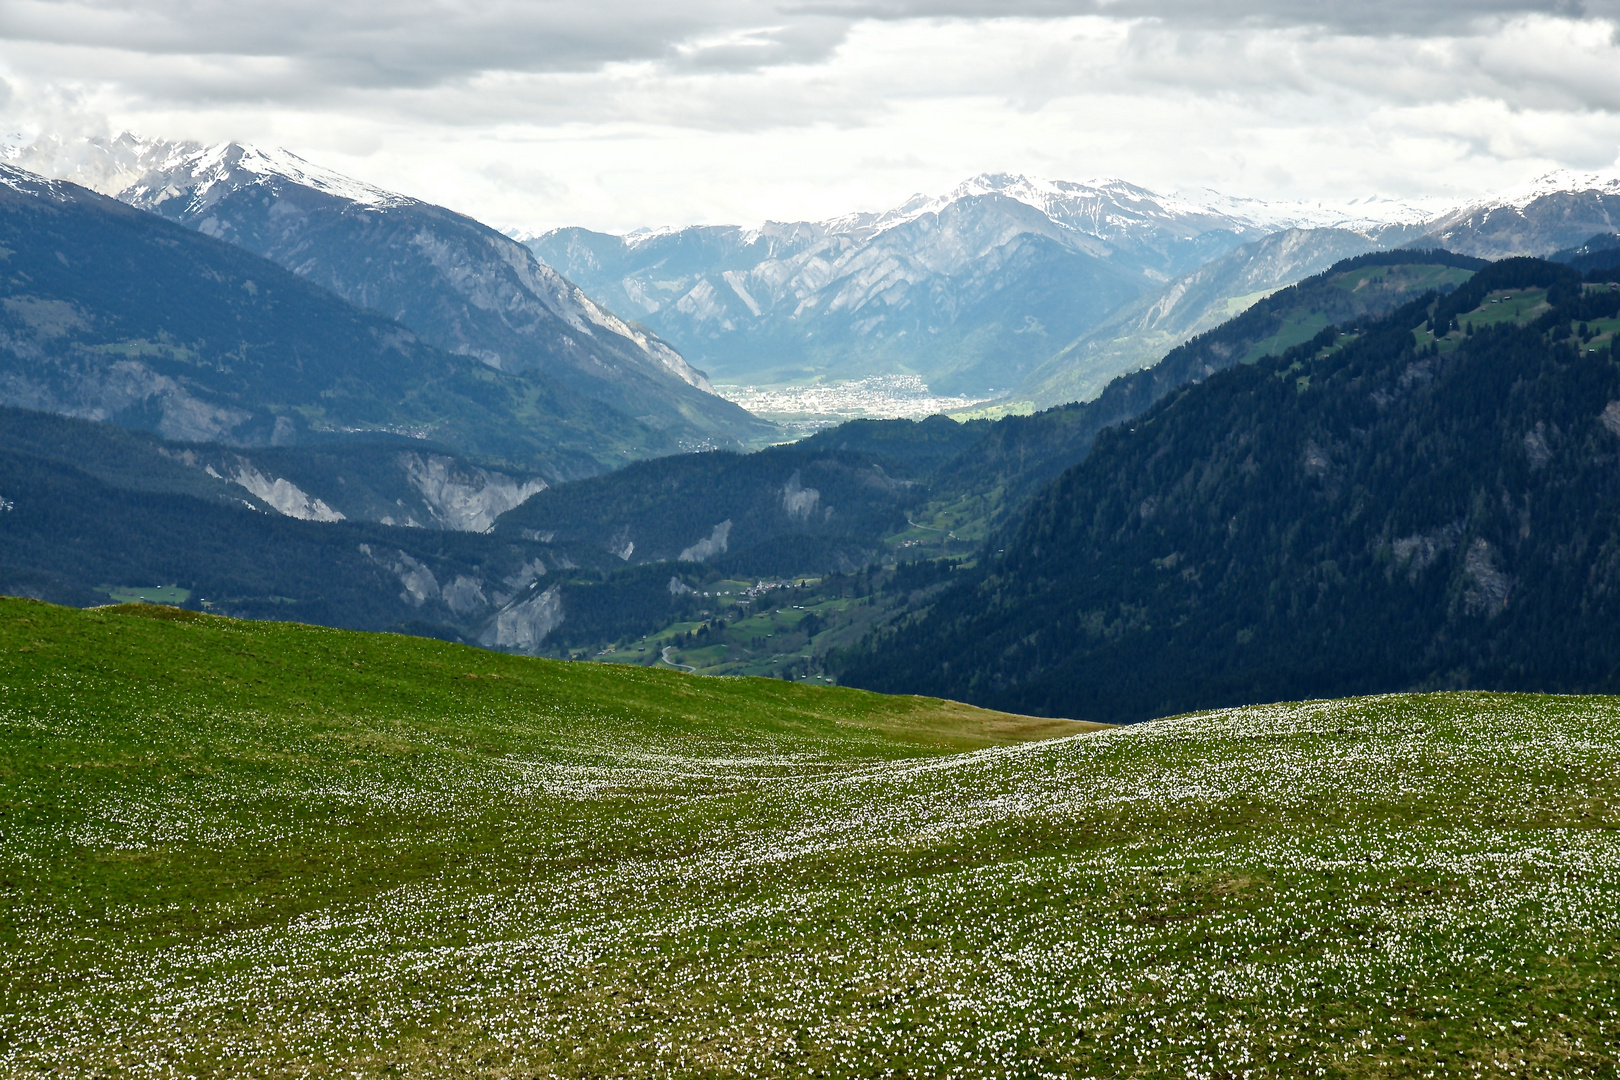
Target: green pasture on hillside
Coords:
[(236, 849), (1506, 305), (1302, 324), (157, 594)]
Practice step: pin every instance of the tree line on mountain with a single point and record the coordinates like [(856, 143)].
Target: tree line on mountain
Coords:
[(1019, 455)]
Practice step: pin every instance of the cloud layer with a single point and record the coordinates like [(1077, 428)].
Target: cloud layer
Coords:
[(624, 112)]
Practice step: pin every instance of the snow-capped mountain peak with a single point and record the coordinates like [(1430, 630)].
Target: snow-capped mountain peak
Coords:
[(200, 169), (463, 286), (151, 171), (1554, 211), (1357, 215), (1100, 207), (1558, 182)]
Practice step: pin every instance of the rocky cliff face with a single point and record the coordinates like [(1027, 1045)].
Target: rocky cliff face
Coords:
[(382, 483)]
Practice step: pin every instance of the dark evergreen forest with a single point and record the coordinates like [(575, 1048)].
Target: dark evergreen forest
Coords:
[(1373, 510)]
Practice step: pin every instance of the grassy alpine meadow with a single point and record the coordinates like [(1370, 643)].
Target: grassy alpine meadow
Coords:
[(234, 849)]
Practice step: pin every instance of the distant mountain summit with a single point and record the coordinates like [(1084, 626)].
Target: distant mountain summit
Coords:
[(460, 284), (973, 289), (151, 171), (1031, 292), (1553, 212)]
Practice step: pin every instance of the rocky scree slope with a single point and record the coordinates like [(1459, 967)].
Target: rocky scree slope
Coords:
[(90, 511), (71, 537)]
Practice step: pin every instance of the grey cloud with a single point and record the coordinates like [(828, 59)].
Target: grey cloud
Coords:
[(426, 43), (1406, 17), (420, 43)]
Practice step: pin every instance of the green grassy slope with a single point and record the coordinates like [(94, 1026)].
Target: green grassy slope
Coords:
[(263, 850)]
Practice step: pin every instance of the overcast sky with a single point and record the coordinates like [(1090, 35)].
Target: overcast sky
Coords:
[(622, 113)]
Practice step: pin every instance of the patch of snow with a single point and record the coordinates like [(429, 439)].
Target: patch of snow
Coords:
[(1559, 182), (28, 183)]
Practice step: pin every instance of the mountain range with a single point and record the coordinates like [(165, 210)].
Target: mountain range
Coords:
[(1009, 288), (1032, 291), (371, 411), (112, 313), (321, 461), (972, 290), (456, 283)]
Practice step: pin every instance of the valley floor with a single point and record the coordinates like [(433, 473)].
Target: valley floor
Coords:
[(264, 850), (804, 408)]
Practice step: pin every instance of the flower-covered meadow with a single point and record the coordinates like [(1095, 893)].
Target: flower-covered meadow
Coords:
[(251, 850)]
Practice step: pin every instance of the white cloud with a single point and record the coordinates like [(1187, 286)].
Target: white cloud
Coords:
[(624, 113)]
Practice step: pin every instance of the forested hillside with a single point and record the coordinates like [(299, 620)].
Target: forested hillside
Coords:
[(1019, 455), (150, 526), (825, 503), (1369, 511), (381, 477)]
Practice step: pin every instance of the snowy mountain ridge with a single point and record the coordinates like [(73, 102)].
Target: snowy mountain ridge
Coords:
[(1099, 207), (150, 171), (186, 180), (972, 290), (1104, 206), (1557, 182)]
